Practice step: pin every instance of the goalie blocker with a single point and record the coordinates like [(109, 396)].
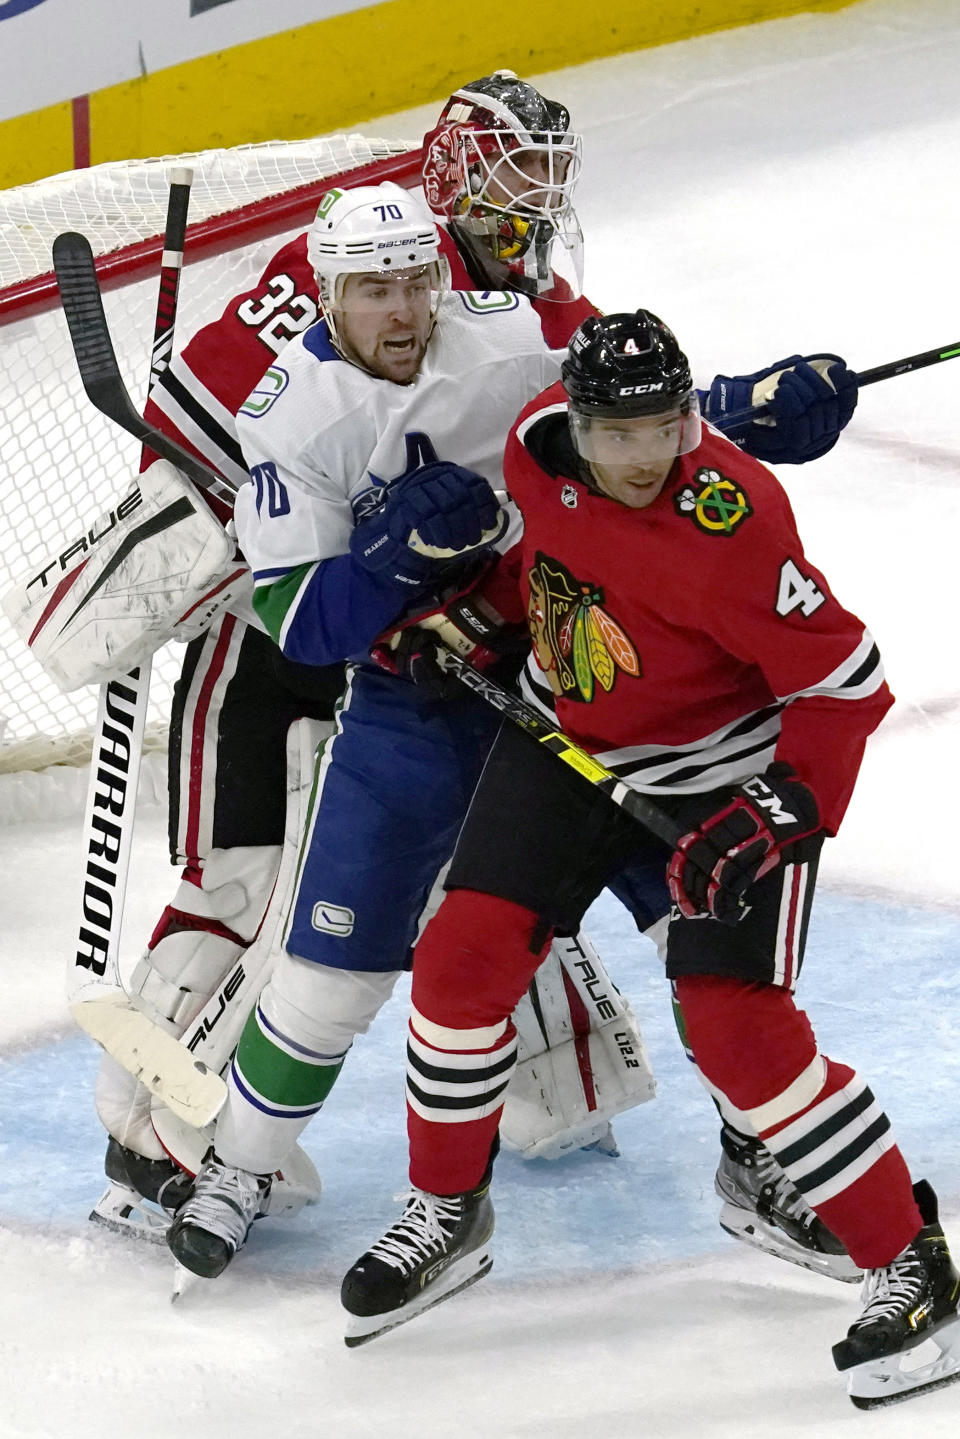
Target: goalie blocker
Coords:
[(157, 566)]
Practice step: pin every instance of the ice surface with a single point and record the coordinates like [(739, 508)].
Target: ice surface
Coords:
[(787, 187)]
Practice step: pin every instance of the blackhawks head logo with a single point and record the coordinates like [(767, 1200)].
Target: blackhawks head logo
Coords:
[(714, 503), (577, 643)]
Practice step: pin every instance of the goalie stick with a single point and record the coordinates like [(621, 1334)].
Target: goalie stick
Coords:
[(866, 377), (97, 362), (98, 1001)]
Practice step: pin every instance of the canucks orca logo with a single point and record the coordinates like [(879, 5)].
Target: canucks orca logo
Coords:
[(420, 452), (270, 387), (716, 504)]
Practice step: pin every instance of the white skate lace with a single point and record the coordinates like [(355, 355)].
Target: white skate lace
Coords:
[(786, 1196), (419, 1234), (224, 1202), (888, 1292)]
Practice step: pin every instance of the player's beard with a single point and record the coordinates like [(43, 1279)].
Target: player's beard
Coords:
[(399, 365)]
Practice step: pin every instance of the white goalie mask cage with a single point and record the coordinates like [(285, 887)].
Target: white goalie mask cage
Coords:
[(372, 229)]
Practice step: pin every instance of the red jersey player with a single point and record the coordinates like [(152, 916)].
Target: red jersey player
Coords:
[(682, 637)]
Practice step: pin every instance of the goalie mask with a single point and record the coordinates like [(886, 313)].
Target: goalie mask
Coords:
[(375, 251), (633, 409), (500, 167)]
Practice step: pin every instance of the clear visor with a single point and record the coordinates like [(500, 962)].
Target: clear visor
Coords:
[(416, 290), (637, 439)]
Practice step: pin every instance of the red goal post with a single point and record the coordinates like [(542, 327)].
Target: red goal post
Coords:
[(62, 464)]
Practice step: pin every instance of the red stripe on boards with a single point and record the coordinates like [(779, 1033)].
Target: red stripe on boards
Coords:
[(80, 117)]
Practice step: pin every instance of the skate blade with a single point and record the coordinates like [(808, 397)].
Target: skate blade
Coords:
[(750, 1229), (183, 1281), (885, 1381), (362, 1330), (123, 1211)]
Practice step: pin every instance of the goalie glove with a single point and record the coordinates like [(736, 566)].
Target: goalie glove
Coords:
[(809, 400), (734, 841), (436, 514), (157, 566)]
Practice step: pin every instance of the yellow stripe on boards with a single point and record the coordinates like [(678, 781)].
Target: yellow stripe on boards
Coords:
[(339, 72), (37, 144)]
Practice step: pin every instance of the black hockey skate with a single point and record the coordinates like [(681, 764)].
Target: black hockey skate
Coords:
[(764, 1209), (142, 1194), (215, 1219), (912, 1300), (439, 1246)]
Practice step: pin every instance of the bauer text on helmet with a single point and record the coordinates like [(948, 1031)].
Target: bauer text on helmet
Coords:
[(375, 251), (633, 408), (500, 167)]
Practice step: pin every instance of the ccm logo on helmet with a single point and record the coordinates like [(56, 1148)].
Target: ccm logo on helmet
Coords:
[(641, 389)]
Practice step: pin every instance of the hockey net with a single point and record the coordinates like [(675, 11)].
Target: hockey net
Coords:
[(62, 463)]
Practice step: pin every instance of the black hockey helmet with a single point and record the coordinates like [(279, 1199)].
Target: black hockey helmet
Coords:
[(626, 364)]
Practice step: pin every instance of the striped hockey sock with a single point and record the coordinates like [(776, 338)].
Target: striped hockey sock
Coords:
[(274, 1089), (456, 1080), (817, 1117), (840, 1153)]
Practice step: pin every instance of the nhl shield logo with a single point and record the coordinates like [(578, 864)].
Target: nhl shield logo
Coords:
[(568, 497)]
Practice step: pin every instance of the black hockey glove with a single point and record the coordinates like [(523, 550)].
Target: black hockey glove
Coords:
[(433, 515), (465, 625), (735, 841), (809, 400)]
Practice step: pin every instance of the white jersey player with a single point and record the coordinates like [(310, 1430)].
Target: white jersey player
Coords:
[(372, 446)]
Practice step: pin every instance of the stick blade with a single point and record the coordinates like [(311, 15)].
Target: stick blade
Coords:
[(76, 274), (186, 1086)]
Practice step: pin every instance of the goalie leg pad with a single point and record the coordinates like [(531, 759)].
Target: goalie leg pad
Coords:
[(123, 1107), (215, 914), (582, 1057)]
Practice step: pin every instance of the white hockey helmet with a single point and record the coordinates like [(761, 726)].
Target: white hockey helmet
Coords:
[(379, 229)]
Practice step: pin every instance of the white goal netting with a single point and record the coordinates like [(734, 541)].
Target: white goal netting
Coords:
[(62, 464)]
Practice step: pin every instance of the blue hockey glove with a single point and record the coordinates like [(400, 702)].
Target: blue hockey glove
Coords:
[(430, 516), (809, 400), (735, 839)]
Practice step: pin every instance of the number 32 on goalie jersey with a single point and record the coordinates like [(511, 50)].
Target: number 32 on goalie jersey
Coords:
[(279, 314)]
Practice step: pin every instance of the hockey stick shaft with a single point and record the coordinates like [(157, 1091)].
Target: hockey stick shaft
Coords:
[(97, 362), (98, 1001), (866, 377), (637, 805)]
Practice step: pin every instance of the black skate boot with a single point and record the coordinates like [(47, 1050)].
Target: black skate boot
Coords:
[(215, 1219), (764, 1209), (141, 1194), (439, 1246), (909, 1301)]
